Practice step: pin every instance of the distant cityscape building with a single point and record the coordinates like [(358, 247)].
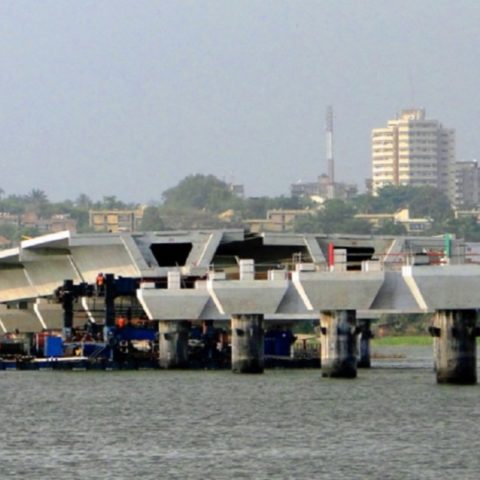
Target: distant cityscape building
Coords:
[(323, 188), (115, 220), (280, 220), (466, 185), (53, 224), (401, 217), (413, 150), (237, 189)]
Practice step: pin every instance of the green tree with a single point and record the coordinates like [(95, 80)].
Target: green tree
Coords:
[(356, 226), (111, 202), (14, 204), (431, 203), (423, 201), (336, 216), (366, 204), (389, 227), (9, 231), (37, 201), (26, 233), (201, 192), (83, 201), (255, 207), (307, 224), (466, 228), (392, 198), (152, 220)]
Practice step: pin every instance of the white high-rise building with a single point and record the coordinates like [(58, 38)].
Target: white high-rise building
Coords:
[(413, 150)]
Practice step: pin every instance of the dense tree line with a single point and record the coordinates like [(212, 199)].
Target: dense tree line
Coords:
[(204, 201)]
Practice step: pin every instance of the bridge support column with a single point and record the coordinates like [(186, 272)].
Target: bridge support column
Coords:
[(173, 343), (338, 343), (455, 348), (247, 343), (364, 343), (67, 303)]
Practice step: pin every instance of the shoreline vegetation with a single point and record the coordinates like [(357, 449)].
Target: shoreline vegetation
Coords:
[(402, 340)]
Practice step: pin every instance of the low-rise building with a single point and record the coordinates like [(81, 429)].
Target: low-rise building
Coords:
[(9, 219), (55, 223), (115, 220), (281, 220), (401, 217)]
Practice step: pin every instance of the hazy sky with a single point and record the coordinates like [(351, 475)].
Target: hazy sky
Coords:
[(126, 98)]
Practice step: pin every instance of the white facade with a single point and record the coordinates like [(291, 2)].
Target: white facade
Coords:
[(413, 150)]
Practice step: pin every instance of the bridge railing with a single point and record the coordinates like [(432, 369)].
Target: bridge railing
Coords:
[(343, 261)]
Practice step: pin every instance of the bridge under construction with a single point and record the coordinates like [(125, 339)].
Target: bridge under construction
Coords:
[(248, 281)]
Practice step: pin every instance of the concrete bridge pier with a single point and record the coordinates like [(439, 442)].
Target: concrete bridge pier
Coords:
[(67, 303), (338, 343), (247, 343), (455, 348), (365, 335), (173, 343), (109, 325)]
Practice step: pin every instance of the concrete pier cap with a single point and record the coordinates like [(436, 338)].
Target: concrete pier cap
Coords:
[(174, 304), (452, 292), (347, 290), (446, 287), (248, 295)]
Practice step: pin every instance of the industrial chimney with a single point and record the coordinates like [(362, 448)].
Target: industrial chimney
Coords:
[(329, 148)]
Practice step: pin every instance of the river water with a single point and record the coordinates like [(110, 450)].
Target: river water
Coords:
[(392, 422)]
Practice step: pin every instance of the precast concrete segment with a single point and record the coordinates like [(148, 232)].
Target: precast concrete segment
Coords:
[(338, 290), (247, 296), (447, 287), (395, 296), (136, 255), (58, 241), (455, 347), (247, 343), (47, 272), (51, 315), (364, 337), (203, 250), (15, 285), (173, 343), (113, 258), (23, 320), (165, 304), (292, 304), (338, 343), (37, 308)]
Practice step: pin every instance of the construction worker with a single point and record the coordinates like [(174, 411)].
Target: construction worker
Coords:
[(100, 284)]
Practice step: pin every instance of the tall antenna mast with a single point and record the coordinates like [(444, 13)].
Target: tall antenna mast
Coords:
[(329, 148)]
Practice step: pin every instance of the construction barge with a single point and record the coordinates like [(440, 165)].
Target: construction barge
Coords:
[(135, 347)]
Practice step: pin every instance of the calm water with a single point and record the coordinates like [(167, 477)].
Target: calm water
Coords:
[(392, 422)]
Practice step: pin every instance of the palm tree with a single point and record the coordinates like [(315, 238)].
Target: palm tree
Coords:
[(83, 201), (36, 200)]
